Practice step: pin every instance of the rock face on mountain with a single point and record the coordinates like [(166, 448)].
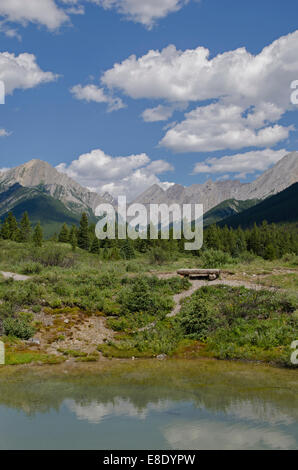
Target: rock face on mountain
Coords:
[(276, 179), (41, 175), (210, 194)]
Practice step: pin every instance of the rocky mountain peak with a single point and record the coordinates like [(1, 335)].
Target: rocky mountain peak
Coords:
[(211, 193), (38, 173)]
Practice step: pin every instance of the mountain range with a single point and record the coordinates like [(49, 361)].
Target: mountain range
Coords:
[(210, 194), (53, 198), (41, 175)]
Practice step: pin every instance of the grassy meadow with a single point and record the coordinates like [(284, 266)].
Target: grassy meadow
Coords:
[(80, 307)]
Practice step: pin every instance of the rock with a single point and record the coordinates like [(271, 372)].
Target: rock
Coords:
[(34, 342), (211, 193), (161, 357), (31, 174)]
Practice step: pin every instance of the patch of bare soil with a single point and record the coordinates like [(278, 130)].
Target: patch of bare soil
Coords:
[(73, 332), (14, 276)]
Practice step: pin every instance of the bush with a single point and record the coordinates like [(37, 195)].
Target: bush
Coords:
[(53, 256), (18, 327), (32, 268), (146, 294), (215, 259), (199, 319), (159, 256), (137, 297)]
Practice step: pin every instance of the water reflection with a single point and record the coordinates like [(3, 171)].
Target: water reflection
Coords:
[(207, 435), (165, 406)]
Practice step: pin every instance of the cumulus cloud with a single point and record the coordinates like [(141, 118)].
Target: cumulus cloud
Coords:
[(4, 133), (218, 127), (241, 163), (191, 75), (208, 435), (162, 112), (54, 13), (93, 93), (44, 12), (128, 176), (145, 12), (22, 71), (159, 113), (255, 88)]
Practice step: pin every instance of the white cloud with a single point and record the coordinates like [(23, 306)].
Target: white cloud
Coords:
[(93, 93), (208, 435), (4, 133), (222, 126), (255, 88), (54, 13), (44, 12), (191, 75), (159, 113), (8, 31), (145, 12), (128, 176), (22, 71), (243, 163), (162, 112)]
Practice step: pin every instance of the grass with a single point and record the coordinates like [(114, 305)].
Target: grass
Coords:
[(220, 322)]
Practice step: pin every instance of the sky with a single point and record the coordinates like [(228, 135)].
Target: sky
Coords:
[(123, 94)]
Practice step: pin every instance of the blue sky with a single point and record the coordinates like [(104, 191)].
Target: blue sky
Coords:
[(69, 104)]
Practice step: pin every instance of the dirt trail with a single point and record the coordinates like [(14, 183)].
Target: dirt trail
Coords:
[(14, 276), (198, 283)]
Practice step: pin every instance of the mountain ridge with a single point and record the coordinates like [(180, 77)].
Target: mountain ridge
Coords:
[(274, 180), (40, 174)]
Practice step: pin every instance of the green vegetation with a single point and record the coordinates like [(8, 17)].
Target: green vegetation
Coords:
[(51, 212), (281, 208), (220, 322), (18, 327), (228, 208), (76, 277)]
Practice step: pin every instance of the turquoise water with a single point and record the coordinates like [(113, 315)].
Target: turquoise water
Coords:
[(167, 406)]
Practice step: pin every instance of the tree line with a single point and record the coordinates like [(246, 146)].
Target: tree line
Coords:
[(270, 241)]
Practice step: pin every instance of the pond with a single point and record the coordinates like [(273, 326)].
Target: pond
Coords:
[(173, 404)]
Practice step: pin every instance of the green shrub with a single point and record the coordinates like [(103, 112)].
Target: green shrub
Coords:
[(32, 268), (137, 297), (158, 255), (18, 327), (199, 319), (215, 259), (50, 256)]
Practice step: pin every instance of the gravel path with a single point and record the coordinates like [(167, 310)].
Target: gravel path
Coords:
[(14, 276), (198, 283)]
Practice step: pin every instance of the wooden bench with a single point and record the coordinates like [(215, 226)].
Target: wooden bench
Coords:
[(211, 274)]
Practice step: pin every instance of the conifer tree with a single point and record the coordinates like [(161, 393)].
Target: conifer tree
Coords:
[(73, 230), (127, 251), (95, 246), (83, 234), (38, 235), (13, 226), (73, 240), (64, 234), (54, 238), (5, 231), (25, 228)]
